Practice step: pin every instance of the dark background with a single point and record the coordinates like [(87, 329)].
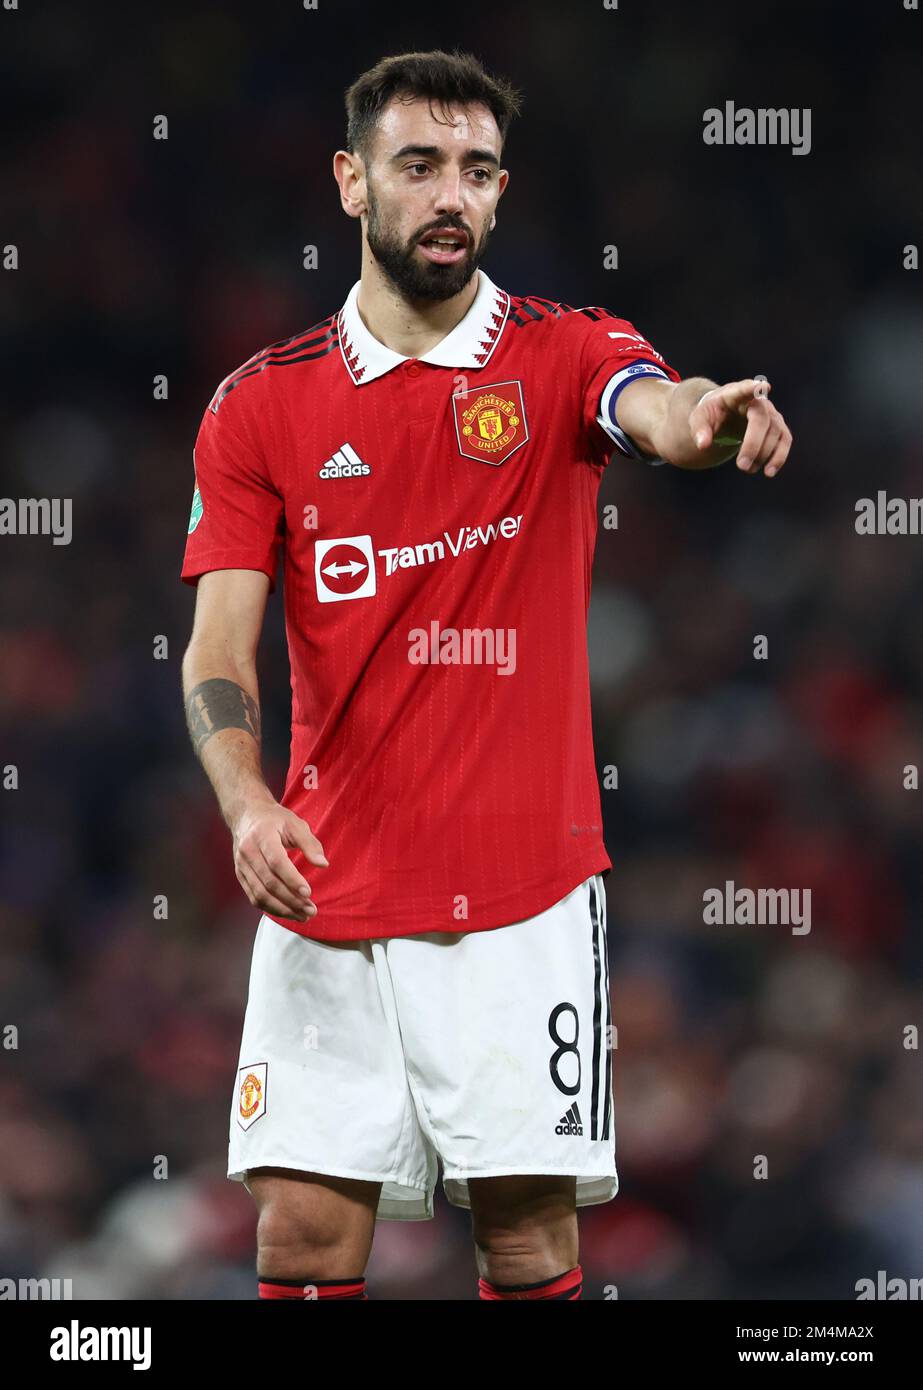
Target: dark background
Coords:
[(140, 257)]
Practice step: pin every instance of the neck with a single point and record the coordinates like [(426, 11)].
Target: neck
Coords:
[(410, 327)]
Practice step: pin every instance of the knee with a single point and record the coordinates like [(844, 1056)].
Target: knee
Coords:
[(534, 1249)]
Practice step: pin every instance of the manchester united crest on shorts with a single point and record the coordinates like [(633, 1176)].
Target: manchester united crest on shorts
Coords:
[(490, 421), (251, 1094)]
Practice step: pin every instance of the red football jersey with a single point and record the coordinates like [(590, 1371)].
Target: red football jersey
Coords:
[(437, 517)]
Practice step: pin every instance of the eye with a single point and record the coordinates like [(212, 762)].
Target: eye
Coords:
[(414, 168), (485, 175)]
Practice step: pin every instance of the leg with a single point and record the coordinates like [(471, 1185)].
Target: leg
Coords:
[(525, 1227), (522, 1015), (312, 1226)]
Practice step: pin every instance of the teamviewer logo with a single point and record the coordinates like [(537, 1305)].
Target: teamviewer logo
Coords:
[(344, 568)]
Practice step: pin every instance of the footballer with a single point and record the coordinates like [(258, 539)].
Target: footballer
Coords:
[(429, 979)]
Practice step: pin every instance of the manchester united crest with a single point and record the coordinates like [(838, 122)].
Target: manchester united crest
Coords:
[(490, 421), (251, 1094)]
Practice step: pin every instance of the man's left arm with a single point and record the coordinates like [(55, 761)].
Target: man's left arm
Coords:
[(698, 424)]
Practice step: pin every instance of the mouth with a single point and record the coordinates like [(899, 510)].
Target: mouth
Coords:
[(445, 246)]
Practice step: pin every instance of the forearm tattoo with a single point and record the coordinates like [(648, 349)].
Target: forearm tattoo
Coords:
[(220, 704)]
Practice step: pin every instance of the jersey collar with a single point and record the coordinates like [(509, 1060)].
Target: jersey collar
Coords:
[(469, 344)]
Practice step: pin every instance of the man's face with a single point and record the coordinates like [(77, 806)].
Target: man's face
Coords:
[(432, 183)]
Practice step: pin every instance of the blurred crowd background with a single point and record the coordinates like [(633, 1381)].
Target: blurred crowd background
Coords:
[(183, 257)]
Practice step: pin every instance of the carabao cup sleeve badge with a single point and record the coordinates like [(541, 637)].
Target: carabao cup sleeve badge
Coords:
[(490, 421), (195, 516)]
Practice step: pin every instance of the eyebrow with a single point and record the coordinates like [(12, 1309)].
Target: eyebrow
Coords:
[(472, 156)]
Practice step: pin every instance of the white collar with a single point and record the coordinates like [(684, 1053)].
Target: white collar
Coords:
[(469, 344)]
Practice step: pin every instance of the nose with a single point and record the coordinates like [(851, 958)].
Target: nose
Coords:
[(449, 200)]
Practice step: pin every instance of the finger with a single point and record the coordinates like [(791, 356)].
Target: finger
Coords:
[(780, 454), (250, 852), (298, 833), (264, 872), (768, 446), (759, 423), (268, 902), (260, 875), (700, 426), (702, 431), (280, 873), (737, 395)]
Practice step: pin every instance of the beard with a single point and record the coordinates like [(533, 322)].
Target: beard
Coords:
[(411, 275)]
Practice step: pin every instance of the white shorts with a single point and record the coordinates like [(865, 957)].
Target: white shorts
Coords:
[(375, 1059)]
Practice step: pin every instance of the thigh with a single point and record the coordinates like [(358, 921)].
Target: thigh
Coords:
[(506, 1037), (321, 1086), (520, 1200)]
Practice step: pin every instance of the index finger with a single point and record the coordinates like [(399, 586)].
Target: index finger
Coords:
[(738, 393), (306, 841), (284, 870)]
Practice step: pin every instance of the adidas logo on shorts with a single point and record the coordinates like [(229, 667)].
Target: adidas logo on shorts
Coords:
[(570, 1123)]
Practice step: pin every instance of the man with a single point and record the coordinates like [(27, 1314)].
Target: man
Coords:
[(429, 977)]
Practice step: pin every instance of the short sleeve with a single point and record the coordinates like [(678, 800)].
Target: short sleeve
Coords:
[(614, 353), (237, 513)]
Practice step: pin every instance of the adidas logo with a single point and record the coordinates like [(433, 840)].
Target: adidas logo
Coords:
[(345, 463), (570, 1123)]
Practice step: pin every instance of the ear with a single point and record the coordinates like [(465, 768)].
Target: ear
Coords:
[(349, 172)]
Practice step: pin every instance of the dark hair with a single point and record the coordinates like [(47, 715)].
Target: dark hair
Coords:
[(446, 78)]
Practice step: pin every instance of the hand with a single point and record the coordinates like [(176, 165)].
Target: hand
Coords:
[(262, 834), (741, 413)]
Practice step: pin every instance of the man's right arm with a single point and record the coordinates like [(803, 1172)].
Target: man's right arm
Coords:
[(223, 714)]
